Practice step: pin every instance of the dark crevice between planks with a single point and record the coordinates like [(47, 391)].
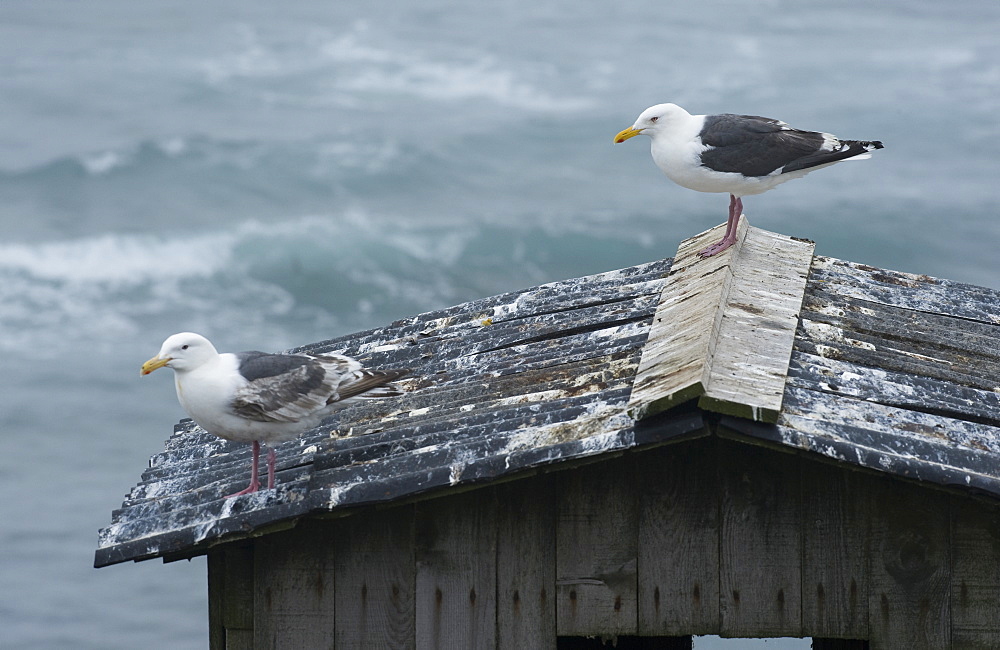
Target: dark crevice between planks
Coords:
[(947, 413), (572, 331), (614, 300)]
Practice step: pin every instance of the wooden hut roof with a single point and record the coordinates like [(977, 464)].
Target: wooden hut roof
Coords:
[(870, 368)]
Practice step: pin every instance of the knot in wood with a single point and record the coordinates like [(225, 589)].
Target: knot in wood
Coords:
[(908, 560)]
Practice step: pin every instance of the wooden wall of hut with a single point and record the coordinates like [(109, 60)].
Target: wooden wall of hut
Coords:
[(708, 536)]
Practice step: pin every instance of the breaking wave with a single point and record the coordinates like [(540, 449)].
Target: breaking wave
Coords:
[(276, 284)]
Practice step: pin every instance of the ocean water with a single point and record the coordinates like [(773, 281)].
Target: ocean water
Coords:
[(275, 174)]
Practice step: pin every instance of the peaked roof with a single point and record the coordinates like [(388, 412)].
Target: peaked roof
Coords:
[(883, 370)]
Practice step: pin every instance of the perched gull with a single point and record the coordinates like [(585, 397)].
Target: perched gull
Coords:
[(258, 397), (738, 154)]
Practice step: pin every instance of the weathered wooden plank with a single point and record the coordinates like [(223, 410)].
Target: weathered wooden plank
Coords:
[(432, 355), (443, 332), (375, 569), (910, 581), (760, 543), (216, 598), (526, 561), (678, 581), (928, 437), (294, 588), (820, 441), (240, 640), (907, 290), (456, 572), (476, 405), (898, 352), (725, 325), (835, 552), (483, 436), (198, 519), (675, 361), (948, 336), (975, 577), (757, 331), (894, 389), (596, 550), (921, 428), (236, 602)]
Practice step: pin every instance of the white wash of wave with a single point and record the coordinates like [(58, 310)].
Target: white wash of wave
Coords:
[(455, 81), (100, 290), (120, 260), (270, 282), (98, 163), (334, 69), (460, 78), (104, 162)]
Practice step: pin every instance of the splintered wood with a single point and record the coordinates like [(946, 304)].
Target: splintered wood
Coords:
[(725, 326)]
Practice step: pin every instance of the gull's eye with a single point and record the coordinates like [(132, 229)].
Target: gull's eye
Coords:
[(654, 118), (185, 347)]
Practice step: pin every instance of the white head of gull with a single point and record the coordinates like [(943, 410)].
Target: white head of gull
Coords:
[(736, 154), (259, 397)]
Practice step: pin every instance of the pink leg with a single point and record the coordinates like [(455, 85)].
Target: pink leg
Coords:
[(735, 210), (729, 221), (271, 456), (254, 483)]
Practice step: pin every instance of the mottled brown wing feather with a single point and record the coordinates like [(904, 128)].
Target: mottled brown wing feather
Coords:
[(308, 387)]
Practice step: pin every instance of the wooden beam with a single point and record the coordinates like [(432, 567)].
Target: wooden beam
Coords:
[(216, 596), (293, 589), (975, 575), (836, 549), (526, 564), (596, 549), (724, 327), (455, 540), (678, 567), (376, 573), (760, 542), (231, 597), (910, 583)]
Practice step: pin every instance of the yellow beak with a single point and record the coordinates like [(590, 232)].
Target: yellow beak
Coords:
[(630, 132), (154, 364)]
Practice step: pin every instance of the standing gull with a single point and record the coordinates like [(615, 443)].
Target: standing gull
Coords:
[(738, 154), (258, 397)]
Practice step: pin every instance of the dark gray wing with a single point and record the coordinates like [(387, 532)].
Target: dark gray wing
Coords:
[(757, 146)]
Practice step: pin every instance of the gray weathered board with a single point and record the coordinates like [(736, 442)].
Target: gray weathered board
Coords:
[(725, 325)]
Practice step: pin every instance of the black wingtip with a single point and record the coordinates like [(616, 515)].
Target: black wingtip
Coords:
[(374, 384)]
